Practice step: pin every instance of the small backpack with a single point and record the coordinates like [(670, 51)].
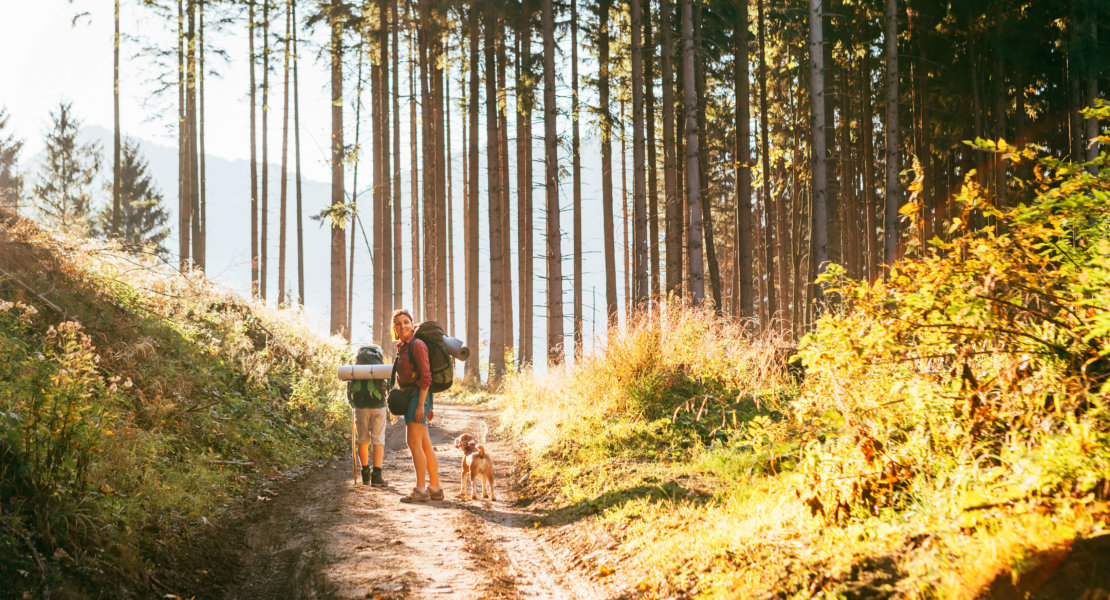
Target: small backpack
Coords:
[(367, 393), (443, 369)]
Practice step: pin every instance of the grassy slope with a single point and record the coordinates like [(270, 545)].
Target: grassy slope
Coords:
[(951, 437), (134, 403)]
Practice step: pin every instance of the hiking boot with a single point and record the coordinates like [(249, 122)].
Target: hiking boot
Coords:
[(435, 493), (376, 477), (415, 496), (365, 475)]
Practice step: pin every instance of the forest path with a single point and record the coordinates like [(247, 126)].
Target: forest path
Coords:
[(324, 536)]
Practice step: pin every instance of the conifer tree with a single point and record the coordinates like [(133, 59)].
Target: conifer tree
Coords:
[(63, 191), (142, 222), (11, 180)]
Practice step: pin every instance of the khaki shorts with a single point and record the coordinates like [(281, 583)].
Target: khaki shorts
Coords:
[(370, 425)]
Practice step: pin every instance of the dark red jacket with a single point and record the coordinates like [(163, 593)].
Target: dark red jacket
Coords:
[(405, 374)]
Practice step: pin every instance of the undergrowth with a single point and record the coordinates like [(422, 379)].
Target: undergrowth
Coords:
[(135, 402), (951, 437)]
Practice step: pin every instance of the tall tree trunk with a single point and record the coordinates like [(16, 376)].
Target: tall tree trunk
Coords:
[(338, 229), (1093, 60), (744, 256), (472, 204), (182, 221), (427, 156), (670, 176), (525, 101), (191, 127), (386, 187), (355, 219), (440, 170), (784, 249), (116, 128), (626, 266), (871, 251), (449, 322), (820, 214), (503, 155), (263, 240), (693, 185), (297, 157), (414, 177), (641, 272), (576, 170), (201, 239), (652, 159), (254, 159), (493, 165), (551, 186), (284, 155), (703, 167), (606, 126), (766, 256), (398, 270), (892, 196)]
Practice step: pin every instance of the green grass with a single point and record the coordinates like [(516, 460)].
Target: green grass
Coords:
[(136, 403)]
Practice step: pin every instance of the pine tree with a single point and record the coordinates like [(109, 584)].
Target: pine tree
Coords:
[(62, 194), (141, 222), (11, 180)]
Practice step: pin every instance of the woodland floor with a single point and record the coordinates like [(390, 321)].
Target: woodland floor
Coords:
[(321, 535)]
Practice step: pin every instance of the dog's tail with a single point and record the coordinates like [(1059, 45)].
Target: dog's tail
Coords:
[(481, 450)]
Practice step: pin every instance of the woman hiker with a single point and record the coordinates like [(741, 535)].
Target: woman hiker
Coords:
[(417, 378)]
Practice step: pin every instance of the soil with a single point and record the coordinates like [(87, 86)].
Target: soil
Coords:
[(321, 535)]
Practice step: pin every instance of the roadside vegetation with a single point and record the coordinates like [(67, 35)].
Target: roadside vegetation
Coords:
[(943, 432), (135, 404)]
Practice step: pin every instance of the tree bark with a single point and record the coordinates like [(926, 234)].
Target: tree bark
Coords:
[(525, 102), (743, 167), (493, 165), (576, 170), (551, 185), (472, 330), (893, 195), (820, 213), (640, 269), (503, 171), (263, 241), (254, 159), (284, 156), (414, 178), (338, 231), (710, 261), (398, 270), (297, 158), (766, 257), (115, 128), (693, 185), (652, 159), (606, 127), (670, 175)]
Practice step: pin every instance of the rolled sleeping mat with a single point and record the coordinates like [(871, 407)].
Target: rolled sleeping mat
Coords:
[(456, 348), (349, 372)]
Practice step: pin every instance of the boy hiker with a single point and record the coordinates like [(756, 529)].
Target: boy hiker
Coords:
[(367, 398)]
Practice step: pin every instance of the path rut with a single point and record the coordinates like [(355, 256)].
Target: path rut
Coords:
[(323, 536)]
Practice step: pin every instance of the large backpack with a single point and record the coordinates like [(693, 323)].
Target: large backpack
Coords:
[(367, 393), (441, 363)]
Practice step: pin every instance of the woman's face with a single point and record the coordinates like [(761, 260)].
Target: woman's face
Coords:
[(404, 326)]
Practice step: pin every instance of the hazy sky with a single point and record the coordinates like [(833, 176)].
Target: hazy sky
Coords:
[(47, 58)]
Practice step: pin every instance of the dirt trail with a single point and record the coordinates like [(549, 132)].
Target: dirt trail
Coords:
[(323, 536)]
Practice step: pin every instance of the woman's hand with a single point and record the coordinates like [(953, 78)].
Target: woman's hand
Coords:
[(419, 411)]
